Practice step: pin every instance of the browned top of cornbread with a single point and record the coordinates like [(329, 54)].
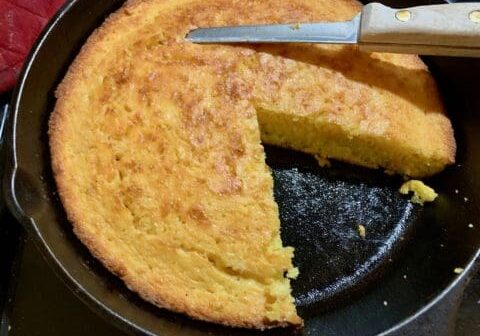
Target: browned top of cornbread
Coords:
[(156, 147)]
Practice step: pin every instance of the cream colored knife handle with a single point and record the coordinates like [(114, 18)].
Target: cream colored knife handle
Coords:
[(450, 29)]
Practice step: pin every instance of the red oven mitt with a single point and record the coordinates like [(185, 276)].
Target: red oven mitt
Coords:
[(21, 21)]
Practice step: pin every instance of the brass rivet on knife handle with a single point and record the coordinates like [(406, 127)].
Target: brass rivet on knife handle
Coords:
[(474, 16), (403, 15)]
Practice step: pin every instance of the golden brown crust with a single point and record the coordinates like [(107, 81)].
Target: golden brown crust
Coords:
[(207, 91)]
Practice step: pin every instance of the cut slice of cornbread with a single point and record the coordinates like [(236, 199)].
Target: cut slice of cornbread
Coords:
[(374, 110), (156, 150)]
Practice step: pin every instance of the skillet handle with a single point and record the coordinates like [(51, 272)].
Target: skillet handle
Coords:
[(15, 186)]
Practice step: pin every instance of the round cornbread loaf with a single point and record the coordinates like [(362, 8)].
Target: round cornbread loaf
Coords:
[(156, 146)]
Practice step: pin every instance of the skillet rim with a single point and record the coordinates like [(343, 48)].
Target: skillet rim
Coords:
[(47, 253)]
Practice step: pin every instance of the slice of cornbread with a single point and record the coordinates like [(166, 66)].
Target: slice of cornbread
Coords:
[(374, 110), (156, 150)]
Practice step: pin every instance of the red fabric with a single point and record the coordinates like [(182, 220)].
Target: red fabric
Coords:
[(21, 21)]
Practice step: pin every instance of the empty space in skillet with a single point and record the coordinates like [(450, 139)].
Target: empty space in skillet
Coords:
[(320, 210)]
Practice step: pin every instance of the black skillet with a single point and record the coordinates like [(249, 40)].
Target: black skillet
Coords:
[(348, 285)]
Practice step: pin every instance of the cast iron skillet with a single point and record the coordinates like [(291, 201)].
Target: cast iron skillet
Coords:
[(348, 285)]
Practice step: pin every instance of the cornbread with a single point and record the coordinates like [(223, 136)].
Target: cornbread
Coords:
[(362, 232), (421, 192), (156, 146)]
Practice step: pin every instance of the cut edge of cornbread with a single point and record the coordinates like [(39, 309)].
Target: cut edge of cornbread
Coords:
[(327, 140)]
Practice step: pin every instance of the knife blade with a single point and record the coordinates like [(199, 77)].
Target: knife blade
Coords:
[(337, 32), (450, 29)]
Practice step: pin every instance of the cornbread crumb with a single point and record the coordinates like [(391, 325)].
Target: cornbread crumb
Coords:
[(470, 225), (421, 192), (458, 270), (362, 231), (295, 26), (322, 161), (293, 273)]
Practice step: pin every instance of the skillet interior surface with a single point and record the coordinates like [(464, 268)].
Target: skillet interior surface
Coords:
[(348, 285)]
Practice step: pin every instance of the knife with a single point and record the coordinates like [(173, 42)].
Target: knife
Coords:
[(449, 30)]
